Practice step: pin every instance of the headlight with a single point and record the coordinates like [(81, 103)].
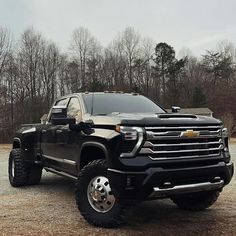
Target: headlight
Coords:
[(131, 134), (225, 133)]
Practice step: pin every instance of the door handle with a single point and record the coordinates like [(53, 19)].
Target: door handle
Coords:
[(58, 131)]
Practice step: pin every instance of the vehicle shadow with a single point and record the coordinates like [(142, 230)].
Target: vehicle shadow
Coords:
[(58, 184), (163, 217)]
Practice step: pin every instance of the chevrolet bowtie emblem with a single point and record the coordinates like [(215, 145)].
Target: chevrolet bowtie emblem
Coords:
[(190, 134)]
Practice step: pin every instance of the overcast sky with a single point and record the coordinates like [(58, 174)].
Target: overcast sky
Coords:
[(194, 24)]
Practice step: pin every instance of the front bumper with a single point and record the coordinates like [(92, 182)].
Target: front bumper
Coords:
[(158, 182)]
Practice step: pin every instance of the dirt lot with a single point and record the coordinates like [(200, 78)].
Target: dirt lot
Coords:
[(50, 209)]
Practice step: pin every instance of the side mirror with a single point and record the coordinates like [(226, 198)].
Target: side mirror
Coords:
[(59, 116), (175, 109), (85, 126)]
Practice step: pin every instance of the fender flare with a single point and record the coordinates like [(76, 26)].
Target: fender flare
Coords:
[(16, 141), (98, 145), (95, 144)]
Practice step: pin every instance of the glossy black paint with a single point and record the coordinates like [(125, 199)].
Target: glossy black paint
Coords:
[(142, 182), (61, 146)]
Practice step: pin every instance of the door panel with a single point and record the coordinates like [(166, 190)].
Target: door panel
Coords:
[(49, 141), (66, 148), (68, 140)]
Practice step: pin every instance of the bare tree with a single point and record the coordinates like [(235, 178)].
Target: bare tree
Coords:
[(147, 50), (5, 47), (5, 50), (227, 48), (34, 72), (63, 80), (130, 40), (29, 56), (115, 64), (83, 46), (49, 69)]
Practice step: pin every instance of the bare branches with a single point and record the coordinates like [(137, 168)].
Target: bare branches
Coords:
[(130, 42), (84, 47), (5, 47), (35, 72)]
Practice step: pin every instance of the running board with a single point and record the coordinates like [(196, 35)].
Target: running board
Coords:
[(61, 173)]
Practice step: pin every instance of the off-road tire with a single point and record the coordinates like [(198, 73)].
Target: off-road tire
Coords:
[(196, 201), (114, 217), (24, 174), (20, 176)]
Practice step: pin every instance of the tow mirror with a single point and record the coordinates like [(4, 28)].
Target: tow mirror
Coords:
[(175, 109), (85, 126), (59, 116)]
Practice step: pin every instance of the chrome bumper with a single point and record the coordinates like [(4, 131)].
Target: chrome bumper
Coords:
[(188, 188)]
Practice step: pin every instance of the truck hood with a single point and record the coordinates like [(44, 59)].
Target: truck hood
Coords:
[(147, 119)]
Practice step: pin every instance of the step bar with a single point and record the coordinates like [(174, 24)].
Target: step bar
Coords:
[(187, 188), (61, 173)]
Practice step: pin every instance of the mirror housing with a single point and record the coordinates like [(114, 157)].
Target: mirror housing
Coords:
[(63, 121), (85, 126), (59, 116), (59, 112), (175, 109)]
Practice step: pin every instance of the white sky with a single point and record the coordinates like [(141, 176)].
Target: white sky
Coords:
[(195, 24)]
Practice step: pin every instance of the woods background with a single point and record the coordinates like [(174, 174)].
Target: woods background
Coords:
[(34, 71)]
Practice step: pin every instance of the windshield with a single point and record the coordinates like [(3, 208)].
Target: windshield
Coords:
[(104, 104)]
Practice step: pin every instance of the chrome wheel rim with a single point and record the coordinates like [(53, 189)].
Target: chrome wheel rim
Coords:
[(100, 195)]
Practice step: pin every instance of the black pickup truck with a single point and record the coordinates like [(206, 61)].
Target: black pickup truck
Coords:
[(122, 149)]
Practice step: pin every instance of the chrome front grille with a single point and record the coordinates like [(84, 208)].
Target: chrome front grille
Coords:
[(168, 143)]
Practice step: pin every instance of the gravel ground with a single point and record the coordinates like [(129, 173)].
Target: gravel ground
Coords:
[(50, 209)]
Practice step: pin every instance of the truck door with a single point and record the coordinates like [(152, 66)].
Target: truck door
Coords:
[(67, 140), (49, 140)]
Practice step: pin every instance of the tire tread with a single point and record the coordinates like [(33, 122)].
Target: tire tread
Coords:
[(115, 220), (20, 176), (24, 174)]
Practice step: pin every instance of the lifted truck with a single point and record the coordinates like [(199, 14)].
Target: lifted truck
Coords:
[(121, 149)]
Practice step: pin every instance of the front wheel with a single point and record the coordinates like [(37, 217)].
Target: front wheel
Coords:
[(94, 197), (196, 201)]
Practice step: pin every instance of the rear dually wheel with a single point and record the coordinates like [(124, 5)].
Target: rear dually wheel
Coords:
[(20, 173)]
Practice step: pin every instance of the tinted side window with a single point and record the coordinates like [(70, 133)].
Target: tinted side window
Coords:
[(74, 109), (62, 102)]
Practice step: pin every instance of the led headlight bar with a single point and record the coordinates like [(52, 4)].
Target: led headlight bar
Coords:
[(131, 134)]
